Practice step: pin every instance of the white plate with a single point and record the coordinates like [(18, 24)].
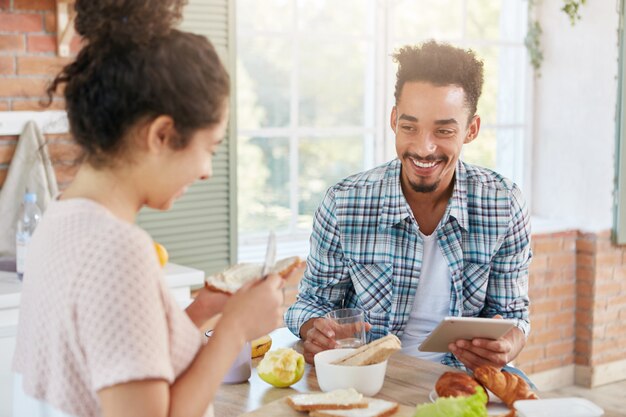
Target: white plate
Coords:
[(495, 407), (558, 407)]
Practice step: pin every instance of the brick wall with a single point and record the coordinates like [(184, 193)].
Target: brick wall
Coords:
[(578, 305), (552, 290), (28, 61)]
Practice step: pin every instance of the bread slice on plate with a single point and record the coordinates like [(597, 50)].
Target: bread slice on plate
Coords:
[(374, 352), (333, 400), (230, 280), (375, 408)]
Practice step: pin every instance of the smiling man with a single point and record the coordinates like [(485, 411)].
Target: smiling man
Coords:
[(426, 235)]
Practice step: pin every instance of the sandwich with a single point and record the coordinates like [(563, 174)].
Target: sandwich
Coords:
[(339, 399), (375, 408), (374, 352), (230, 280)]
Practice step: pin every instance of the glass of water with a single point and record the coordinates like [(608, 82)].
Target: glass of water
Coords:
[(349, 327)]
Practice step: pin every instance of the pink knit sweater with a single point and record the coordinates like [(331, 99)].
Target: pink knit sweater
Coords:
[(95, 310)]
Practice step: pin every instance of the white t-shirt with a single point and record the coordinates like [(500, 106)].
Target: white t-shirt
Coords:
[(95, 310), (432, 300)]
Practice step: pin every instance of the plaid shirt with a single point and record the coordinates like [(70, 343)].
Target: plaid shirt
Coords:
[(366, 251)]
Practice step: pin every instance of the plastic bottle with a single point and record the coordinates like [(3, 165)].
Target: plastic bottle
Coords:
[(27, 221)]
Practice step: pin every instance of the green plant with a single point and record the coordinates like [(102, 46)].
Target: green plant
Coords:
[(534, 31), (571, 8)]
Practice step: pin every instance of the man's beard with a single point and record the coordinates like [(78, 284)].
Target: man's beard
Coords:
[(424, 188)]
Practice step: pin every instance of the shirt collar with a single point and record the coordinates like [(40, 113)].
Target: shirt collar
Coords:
[(395, 208)]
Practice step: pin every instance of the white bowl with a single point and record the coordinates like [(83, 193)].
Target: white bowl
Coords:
[(368, 380)]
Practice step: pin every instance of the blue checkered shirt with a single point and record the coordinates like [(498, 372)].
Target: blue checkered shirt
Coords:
[(366, 251)]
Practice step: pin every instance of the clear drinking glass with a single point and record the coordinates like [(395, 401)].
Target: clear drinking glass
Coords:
[(349, 327)]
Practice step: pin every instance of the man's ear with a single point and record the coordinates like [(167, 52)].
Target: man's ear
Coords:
[(472, 129), (160, 133), (393, 122)]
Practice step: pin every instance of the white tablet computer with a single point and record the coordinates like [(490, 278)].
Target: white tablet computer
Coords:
[(468, 328)]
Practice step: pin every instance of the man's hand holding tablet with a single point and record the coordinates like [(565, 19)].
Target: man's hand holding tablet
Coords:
[(476, 341)]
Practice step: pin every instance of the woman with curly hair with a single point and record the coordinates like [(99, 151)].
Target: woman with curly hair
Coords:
[(99, 332)]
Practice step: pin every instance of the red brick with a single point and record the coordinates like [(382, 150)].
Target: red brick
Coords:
[(568, 304), (8, 138), (65, 173), (560, 349), (584, 289), (24, 87), (64, 151), (4, 106), (548, 246), (586, 246), (530, 354), (544, 306), (586, 259), (616, 330), (42, 43), (543, 338), (33, 5), (7, 65), (608, 288), (561, 290), (617, 355), (7, 150), (586, 275), (583, 318), (568, 333), (539, 262), (605, 317), (3, 176), (583, 333), (608, 258), (50, 22), (40, 65), (21, 22), (5, 4), (546, 365), (37, 105), (12, 43), (561, 260), (562, 318), (585, 302)]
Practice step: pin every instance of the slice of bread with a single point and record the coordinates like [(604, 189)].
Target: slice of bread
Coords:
[(375, 408), (374, 352), (230, 280), (339, 399)]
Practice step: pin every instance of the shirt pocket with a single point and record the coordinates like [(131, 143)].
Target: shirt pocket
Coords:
[(372, 285), (475, 282)]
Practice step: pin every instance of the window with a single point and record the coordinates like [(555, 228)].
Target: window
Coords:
[(315, 87)]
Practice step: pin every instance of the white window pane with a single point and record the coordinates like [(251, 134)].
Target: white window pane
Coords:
[(353, 17), (263, 82), (482, 150), (510, 147), (413, 21), (511, 85), (267, 15), (263, 184), (487, 105), (323, 162), (483, 19), (332, 83)]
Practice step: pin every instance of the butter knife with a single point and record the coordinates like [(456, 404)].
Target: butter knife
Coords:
[(270, 255)]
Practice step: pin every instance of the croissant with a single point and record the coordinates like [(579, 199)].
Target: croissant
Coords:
[(456, 384), (504, 385)]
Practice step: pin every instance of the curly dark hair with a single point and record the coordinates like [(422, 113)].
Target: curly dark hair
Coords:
[(440, 64), (136, 67)]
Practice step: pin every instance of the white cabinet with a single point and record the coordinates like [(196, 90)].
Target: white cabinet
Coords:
[(179, 278)]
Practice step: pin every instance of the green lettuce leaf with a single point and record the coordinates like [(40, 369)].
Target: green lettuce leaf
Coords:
[(472, 406)]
